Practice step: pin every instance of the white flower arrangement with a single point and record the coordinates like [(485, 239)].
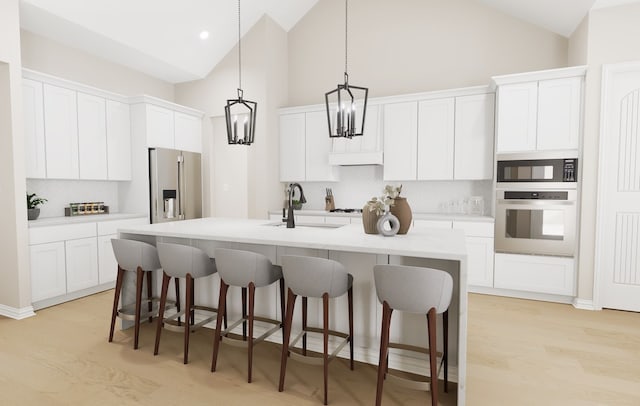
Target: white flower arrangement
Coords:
[(381, 204)]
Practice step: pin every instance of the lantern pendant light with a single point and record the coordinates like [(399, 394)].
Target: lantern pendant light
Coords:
[(240, 109), (347, 104)]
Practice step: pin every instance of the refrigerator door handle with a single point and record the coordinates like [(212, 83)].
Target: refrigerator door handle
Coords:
[(180, 187)]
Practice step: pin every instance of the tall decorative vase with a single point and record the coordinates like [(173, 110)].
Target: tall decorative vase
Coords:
[(402, 211), (369, 220)]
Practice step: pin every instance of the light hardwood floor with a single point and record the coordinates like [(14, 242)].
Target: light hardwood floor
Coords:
[(520, 353)]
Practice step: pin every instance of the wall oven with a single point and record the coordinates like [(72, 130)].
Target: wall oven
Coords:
[(539, 222)]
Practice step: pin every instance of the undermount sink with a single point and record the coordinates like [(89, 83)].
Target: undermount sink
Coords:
[(313, 225)]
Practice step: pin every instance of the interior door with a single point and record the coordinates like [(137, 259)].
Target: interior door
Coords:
[(618, 219)]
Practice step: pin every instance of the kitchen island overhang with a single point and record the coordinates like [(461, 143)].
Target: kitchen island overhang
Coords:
[(437, 248)]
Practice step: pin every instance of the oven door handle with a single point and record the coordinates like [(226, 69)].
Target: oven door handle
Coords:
[(523, 202)]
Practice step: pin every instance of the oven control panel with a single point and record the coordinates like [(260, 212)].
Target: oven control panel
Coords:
[(569, 170)]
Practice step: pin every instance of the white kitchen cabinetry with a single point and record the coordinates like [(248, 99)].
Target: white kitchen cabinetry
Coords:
[(81, 263), (92, 136), (474, 123), (436, 139), (535, 273), (48, 274), (188, 132), (107, 264), (160, 127), (400, 141), (361, 150), (118, 141), (61, 132), (479, 242), (33, 113), (305, 147), (539, 111)]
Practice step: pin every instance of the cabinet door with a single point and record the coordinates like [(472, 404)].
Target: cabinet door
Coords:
[(61, 132), (517, 117), (33, 113), (82, 263), (107, 264), (47, 270), (535, 273), (188, 133), (160, 127), (292, 147), (370, 141), (400, 141), (559, 106), (92, 136), (118, 141), (474, 137), (317, 148), (435, 139), (480, 260)]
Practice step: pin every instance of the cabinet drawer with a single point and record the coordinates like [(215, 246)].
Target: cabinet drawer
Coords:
[(473, 229), (112, 226), (534, 273), (432, 223), (42, 235)]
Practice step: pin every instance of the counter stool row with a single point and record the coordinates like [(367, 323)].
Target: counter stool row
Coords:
[(411, 289)]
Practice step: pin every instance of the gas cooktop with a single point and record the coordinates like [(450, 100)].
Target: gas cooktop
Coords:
[(346, 211)]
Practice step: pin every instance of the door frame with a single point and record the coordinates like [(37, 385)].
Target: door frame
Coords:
[(608, 72)]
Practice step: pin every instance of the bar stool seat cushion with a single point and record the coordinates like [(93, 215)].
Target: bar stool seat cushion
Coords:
[(312, 277), (239, 268), (180, 260)]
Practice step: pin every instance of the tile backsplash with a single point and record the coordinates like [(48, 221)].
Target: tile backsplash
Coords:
[(60, 193)]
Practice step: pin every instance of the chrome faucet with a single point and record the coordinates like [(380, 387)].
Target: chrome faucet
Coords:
[(290, 219)]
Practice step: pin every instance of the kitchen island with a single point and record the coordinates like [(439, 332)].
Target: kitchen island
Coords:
[(359, 252)]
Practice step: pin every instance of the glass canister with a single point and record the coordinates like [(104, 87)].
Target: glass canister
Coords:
[(475, 206)]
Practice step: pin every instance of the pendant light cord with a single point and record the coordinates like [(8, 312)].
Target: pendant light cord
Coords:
[(346, 9), (239, 56)]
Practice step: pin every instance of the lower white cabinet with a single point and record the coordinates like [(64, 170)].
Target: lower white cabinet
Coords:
[(107, 264), (535, 273), (81, 263), (480, 261), (48, 274)]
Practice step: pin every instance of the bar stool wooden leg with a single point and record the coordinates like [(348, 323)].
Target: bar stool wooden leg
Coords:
[(188, 300), (384, 350), (325, 333), (136, 320), (350, 299), (116, 300), (163, 300), (176, 281), (445, 348), (304, 325), (252, 296), (244, 313), (431, 323), (192, 313), (282, 304), (149, 294), (291, 301), (222, 304)]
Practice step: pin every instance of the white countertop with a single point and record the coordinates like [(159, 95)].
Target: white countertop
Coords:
[(87, 218), (416, 216), (423, 242)]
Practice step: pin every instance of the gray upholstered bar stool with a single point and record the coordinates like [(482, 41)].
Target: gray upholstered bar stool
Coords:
[(141, 258), (414, 290), (247, 270), (183, 261), (319, 278)]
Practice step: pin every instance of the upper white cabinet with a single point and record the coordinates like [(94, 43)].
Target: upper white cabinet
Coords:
[(361, 150), (118, 141), (474, 118), (73, 131), (436, 139), (92, 136), (400, 141), (539, 111), (61, 132), (33, 111), (304, 147), (168, 125)]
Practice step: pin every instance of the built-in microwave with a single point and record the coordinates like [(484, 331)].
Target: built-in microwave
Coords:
[(523, 171)]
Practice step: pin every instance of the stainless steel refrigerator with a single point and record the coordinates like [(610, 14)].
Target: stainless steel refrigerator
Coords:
[(175, 185)]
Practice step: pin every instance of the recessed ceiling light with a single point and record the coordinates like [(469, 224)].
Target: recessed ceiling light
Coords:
[(204, 35)]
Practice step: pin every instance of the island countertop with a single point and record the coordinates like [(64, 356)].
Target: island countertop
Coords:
[(421, 242)]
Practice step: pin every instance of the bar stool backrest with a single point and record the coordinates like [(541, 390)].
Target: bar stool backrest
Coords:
[(239, 268), (413, 289), (313, 277), (132, 254), (179, 260)]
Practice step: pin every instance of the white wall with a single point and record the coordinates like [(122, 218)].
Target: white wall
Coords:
[(15, 286)]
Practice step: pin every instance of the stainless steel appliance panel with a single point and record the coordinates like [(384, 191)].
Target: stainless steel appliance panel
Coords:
[(561, 171), (175, 185), (536, 222)]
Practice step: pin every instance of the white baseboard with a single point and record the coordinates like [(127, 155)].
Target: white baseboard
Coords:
[(584, 304), (16, 313)]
